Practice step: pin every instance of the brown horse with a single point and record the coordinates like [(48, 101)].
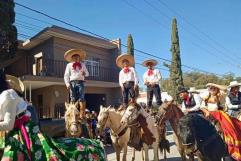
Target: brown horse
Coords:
[(172, 113)]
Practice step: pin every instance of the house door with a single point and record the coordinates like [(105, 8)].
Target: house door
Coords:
[(93, 101)]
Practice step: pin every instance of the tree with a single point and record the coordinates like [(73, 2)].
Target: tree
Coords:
[(175, 66), (130, 45), (8, 32)]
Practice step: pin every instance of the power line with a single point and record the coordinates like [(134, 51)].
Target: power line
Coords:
[(195, 27), (97, 35), (226, 61)]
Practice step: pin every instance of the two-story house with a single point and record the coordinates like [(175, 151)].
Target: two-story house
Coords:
[(40, 64)]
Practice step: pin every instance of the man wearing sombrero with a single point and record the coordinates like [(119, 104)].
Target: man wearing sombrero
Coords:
[(152, 78), (74, 76), (128, 79), (191, 101), (233, 99)]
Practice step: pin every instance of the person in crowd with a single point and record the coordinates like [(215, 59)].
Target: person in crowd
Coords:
[(191, 101), (152, 80), (214, 99), (25, 142), (74, 77), (233, 100), (128, 78)]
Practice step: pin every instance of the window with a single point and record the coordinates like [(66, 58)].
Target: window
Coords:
[(93, 66)]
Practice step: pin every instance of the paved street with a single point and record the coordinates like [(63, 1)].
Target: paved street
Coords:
[(172, 156)]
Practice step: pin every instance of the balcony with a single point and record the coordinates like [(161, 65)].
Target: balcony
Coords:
[(56, 68)]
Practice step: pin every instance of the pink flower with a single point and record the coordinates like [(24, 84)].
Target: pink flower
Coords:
[(95, 156), (91, 147), (80, 147), (20, 156), (53, 158), (6, 159)]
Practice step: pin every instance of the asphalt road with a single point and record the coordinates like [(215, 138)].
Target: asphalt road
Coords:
[(172, 156)]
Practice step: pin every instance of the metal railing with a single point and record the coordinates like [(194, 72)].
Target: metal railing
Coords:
[(56, 68)]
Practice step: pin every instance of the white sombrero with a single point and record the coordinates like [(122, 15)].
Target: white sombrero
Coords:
[(145, 63), (234, 84), (68, 54), (221, 87), (128, 57), (15, 83)]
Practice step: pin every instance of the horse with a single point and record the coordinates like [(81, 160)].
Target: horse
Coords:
[(135, 113), (72, 120), (169, 111), (109, 117), (199, 136)]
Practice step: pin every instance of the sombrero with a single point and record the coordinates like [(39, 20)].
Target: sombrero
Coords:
[(68, 54), (234, 84), (221, 87), (145, 63), (127, 57), (182, 90), (15, 83)]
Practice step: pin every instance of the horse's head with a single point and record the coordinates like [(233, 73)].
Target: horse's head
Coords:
[(131, 114), (103, 119), (72, 119)]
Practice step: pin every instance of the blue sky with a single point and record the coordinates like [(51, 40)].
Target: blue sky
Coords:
[(209, 30)]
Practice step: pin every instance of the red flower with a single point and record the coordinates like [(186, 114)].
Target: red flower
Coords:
[(150, 72), (76, 64), (126, 70)]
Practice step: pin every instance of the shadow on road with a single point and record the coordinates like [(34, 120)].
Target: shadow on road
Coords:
[(109, 150)]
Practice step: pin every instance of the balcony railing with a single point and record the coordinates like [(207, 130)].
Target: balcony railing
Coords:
[(56, 68)]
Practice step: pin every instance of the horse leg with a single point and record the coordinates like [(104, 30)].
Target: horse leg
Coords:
[(155, 151), (145, 147), (133, 154), (117, 152), (124, 153), (142, 154), (180, 148)]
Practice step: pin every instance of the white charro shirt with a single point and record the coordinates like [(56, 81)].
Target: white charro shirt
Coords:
[(155, 78), (129, 76), (10, 106), (198, 101), (75, 74)]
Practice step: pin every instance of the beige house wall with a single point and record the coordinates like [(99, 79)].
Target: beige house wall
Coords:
[(62, 45), (58, 94)]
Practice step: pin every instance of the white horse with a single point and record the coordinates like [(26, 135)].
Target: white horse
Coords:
[(110, 118), (150, 135)]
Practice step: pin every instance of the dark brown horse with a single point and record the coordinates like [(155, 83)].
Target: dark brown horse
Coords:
[(172, 113)]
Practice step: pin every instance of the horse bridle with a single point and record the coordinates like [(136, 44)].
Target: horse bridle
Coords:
[(73, 122)]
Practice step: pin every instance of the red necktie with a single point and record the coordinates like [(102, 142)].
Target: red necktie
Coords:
[(126, 70), (150, 72), (76, 64)]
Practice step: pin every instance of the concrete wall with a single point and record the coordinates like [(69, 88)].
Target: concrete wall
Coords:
[(58, 94), (105, 56)]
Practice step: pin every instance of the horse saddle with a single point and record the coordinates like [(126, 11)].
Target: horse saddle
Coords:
[(135, 138)]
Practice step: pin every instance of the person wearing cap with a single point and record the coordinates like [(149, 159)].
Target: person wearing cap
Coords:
[(191, 101), (25, 141), (128, 78), (152, 78), (74, 77), (233, 99), (213, 100)]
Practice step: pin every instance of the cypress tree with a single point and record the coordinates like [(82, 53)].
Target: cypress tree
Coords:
[(175, 67), (8, 32), (130, 45)]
